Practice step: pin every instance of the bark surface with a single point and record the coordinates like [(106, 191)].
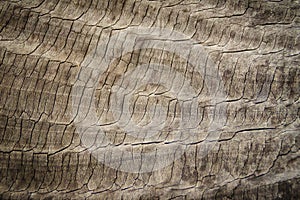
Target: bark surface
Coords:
[(254, 46)]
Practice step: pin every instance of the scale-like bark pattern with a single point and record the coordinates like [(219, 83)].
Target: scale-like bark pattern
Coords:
[(255, 45)]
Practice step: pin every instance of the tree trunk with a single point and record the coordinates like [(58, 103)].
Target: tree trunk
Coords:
[(161, 99)]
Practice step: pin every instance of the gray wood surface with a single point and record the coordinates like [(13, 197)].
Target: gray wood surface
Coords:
[(204, 106)]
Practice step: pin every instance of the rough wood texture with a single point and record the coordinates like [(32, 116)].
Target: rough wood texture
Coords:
[(254, 47)]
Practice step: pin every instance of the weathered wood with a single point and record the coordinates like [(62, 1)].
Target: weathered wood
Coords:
[(210, 111)]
